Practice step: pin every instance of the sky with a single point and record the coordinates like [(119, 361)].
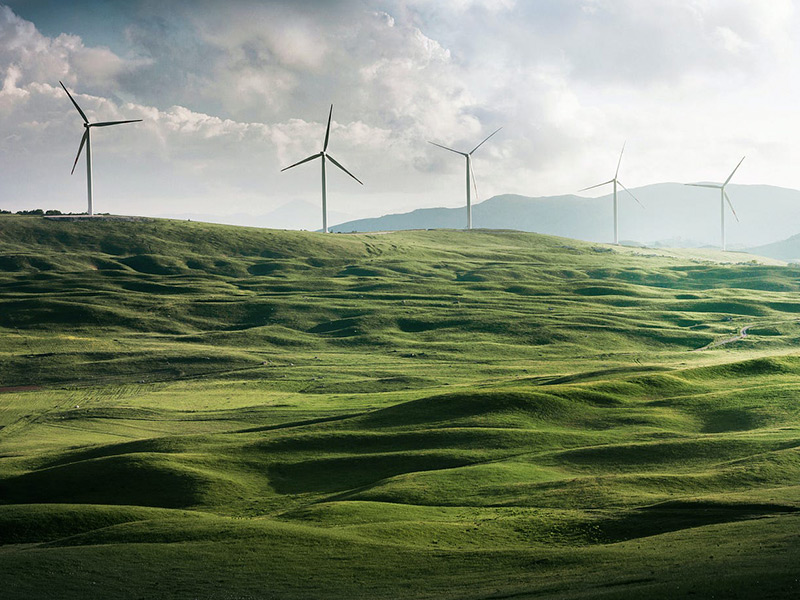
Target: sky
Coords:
[(231, 92)]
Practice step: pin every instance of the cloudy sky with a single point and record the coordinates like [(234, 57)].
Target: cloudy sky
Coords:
[(231, 92)]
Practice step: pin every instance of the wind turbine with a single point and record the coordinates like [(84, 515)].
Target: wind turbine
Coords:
[(324, 156), (616, 182), (468, 156), (87, 141), (723, 196)]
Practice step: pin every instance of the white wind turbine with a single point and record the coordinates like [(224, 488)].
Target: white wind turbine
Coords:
[(87, 141), (324, 156), (468, 156), (615, 181), (723, 196)]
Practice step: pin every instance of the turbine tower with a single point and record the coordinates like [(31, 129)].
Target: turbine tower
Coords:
[(723, 196), (87, 141), (616, 182), (324, 156), (468, 156)]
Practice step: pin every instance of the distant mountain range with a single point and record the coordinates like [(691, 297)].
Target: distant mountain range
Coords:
[(788, 250), (674, 215)]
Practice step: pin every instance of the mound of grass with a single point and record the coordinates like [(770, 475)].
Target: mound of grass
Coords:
[(130, 479), (482, 409), (35, 523)]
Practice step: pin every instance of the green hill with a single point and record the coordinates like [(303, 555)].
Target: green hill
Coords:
[(192, 410)]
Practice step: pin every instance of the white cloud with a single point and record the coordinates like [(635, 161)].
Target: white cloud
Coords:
[(232, 92), (38, 58)]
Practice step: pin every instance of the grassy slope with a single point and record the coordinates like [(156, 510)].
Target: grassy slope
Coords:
[(228, 412)]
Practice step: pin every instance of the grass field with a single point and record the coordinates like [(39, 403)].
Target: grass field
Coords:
[(201, 411)]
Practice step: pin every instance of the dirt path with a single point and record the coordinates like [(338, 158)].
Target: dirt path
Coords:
[(743, 333), (740, 336)]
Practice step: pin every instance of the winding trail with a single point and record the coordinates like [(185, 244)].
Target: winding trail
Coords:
[(740, 336), (743, 333)]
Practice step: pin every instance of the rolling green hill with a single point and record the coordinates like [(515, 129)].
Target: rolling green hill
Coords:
[(191, 410)]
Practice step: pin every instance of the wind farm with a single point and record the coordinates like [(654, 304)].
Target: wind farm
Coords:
[(421, 395)]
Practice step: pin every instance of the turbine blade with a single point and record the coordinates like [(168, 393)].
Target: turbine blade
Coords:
[(724, 193), (474, 181), (732, 172), (333, 160), (619, 162), (80, 149), (631, 193), (305, 160), (591, 187), (446, 148), (328, 130), (85, 120), (484, 141), (705, 185), (107, 123)]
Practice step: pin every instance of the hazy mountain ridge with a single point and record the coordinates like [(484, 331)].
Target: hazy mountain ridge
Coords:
[(788, 249), (673, 212)]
